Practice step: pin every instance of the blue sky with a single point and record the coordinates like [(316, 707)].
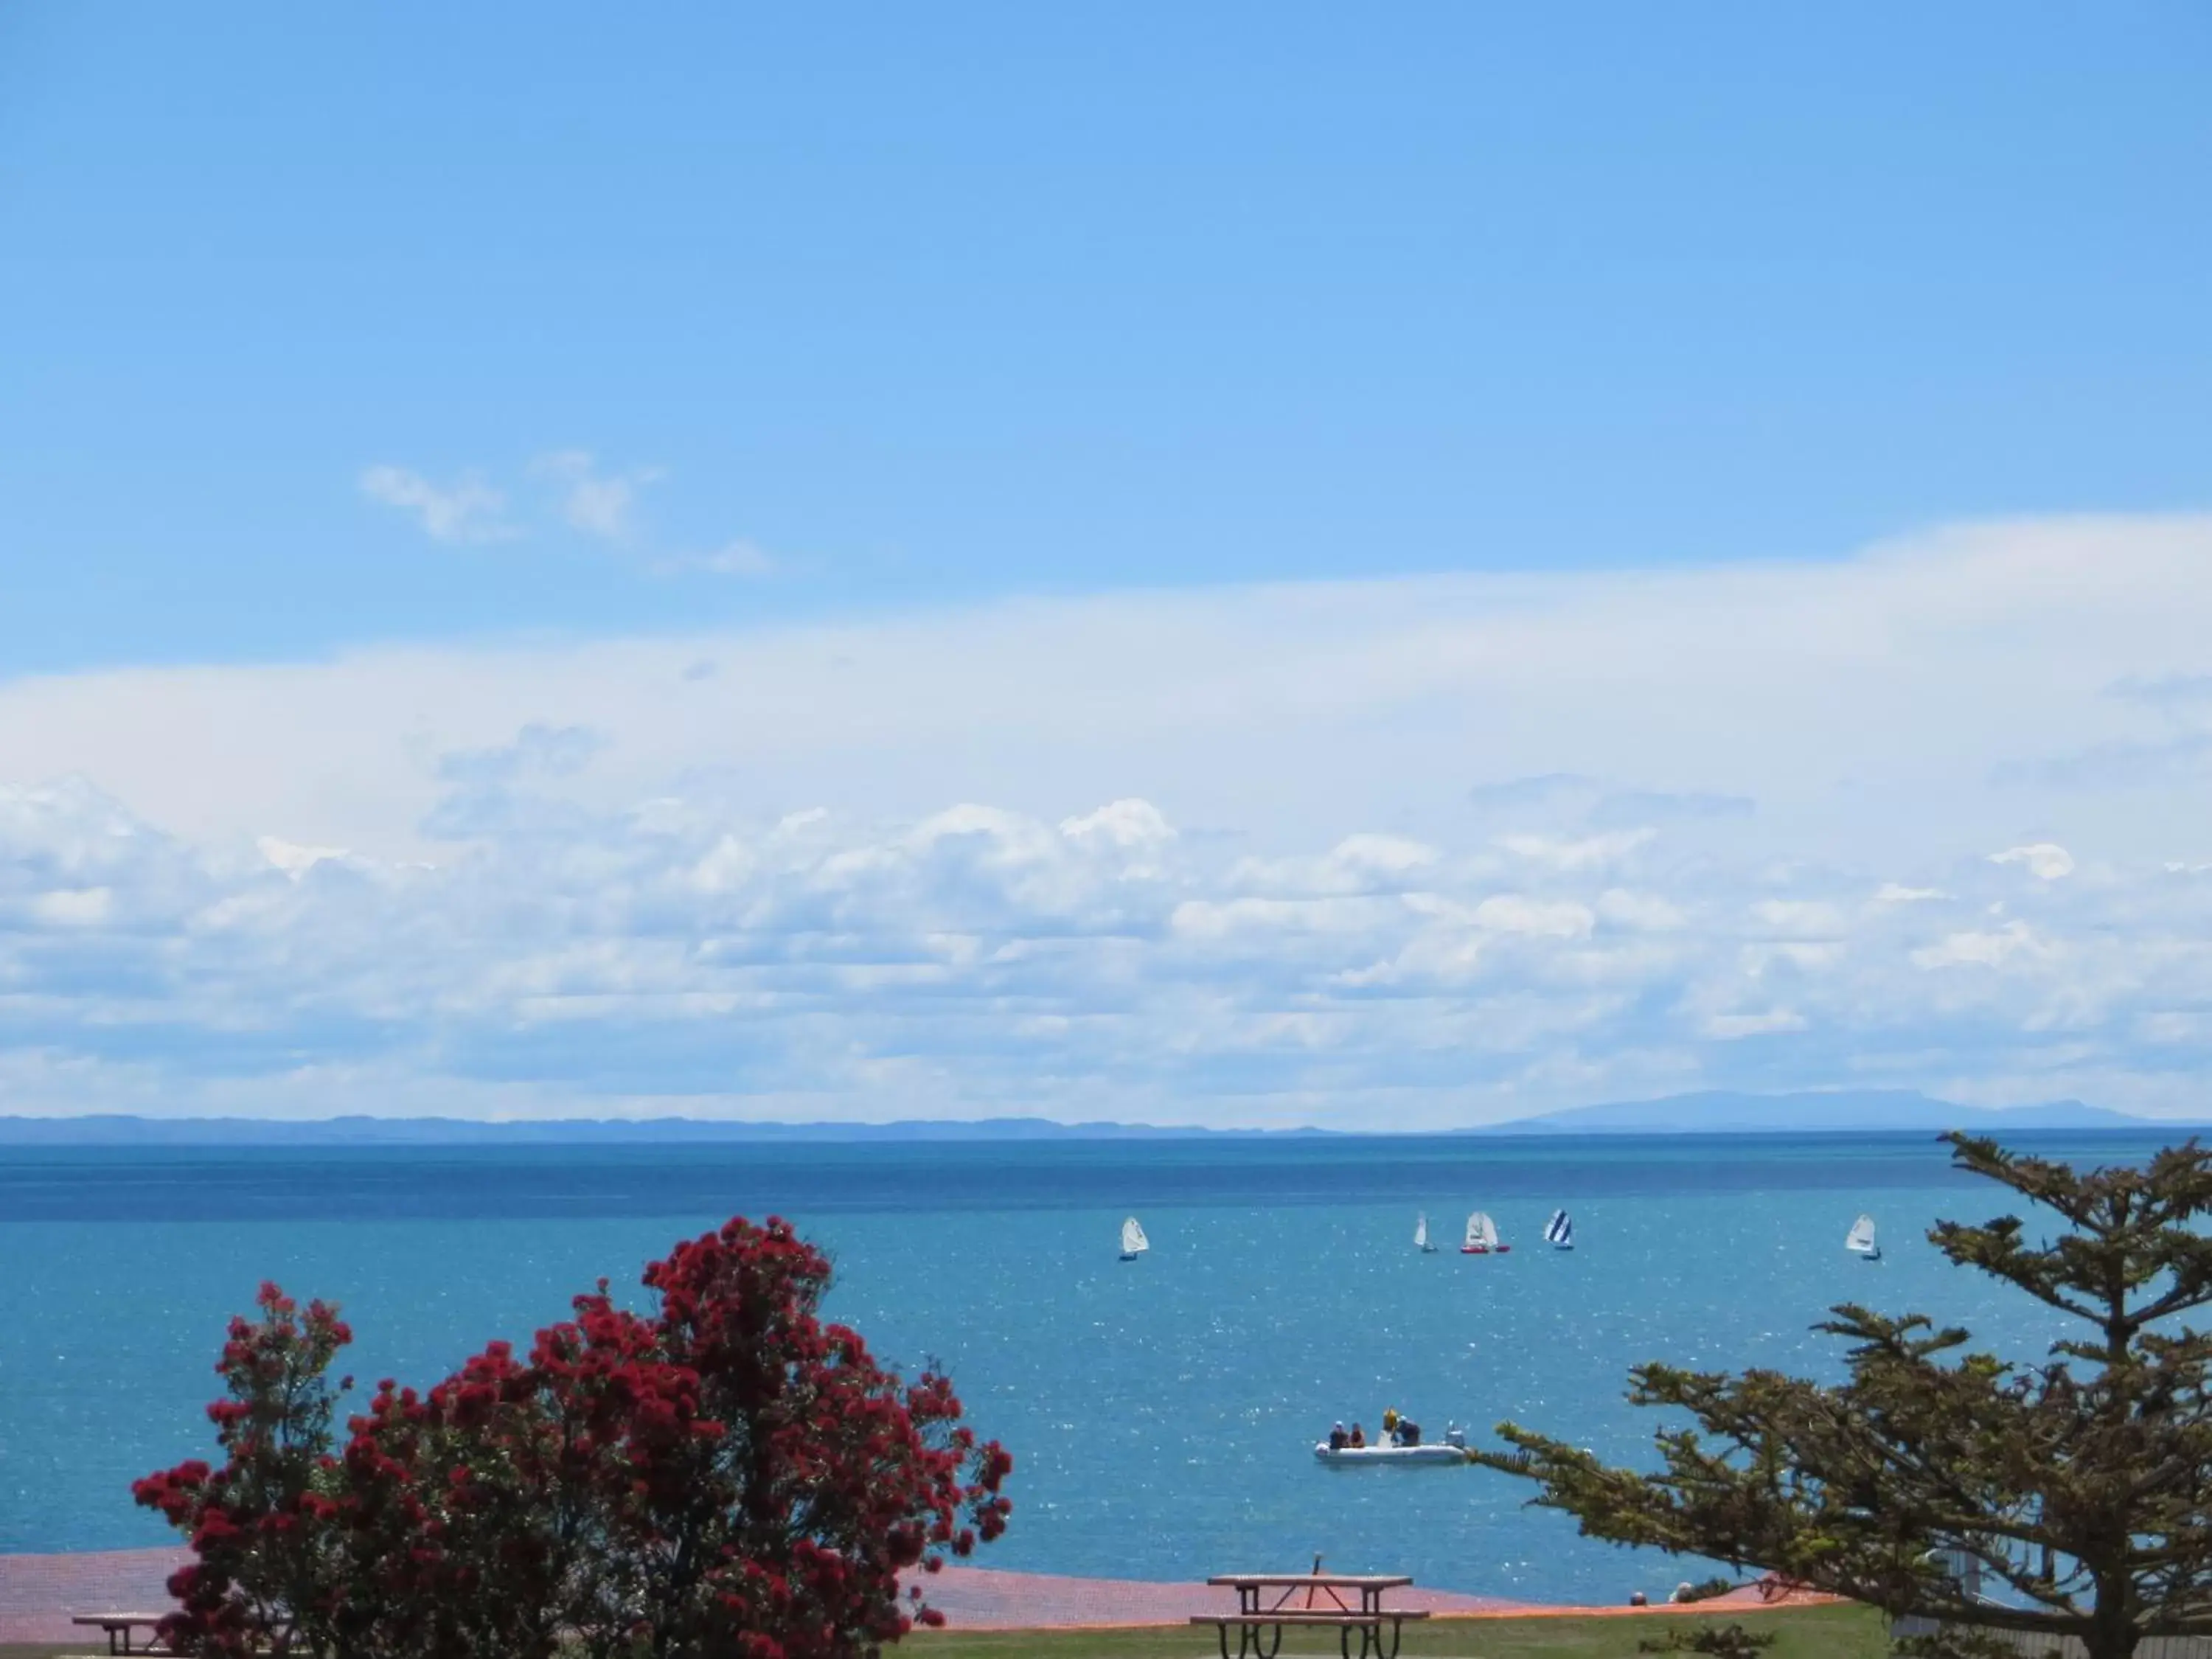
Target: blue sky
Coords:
[(893, 413), (972, 300)]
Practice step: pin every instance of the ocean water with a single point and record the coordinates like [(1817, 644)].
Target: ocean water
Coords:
[(1161, 1413)]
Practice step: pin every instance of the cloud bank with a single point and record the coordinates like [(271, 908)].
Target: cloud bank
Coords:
[(1391, 854)]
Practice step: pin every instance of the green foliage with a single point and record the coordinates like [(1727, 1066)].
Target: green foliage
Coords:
[(1730, 1641), (2074, 1485), (1705, 1591), (1954, 1643)]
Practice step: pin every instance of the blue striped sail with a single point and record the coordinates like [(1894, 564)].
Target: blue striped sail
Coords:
[(1559, 1230)]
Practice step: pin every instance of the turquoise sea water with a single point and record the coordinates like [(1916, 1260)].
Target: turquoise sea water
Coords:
[(1162, 1412)]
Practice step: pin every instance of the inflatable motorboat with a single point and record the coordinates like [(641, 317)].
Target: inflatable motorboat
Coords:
[(1407, 1456)]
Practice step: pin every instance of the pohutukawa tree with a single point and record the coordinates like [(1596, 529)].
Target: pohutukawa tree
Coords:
[(728, 1475), (2079, 1487)]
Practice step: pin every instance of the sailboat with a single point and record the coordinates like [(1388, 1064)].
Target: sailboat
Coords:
[(1860, 1240), (1559, 1230), (1482, 1238), (1421, 1235), (1133, 1241)]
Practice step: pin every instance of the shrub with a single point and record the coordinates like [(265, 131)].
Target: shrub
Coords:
[(1731, 1641), (728, 1474)]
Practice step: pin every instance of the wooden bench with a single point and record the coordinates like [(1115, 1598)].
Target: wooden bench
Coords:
[(1260, 1629), (120, 1627)]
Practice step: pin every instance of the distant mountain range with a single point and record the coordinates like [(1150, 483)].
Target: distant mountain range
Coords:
[(119, 1131), (1866, 1111)]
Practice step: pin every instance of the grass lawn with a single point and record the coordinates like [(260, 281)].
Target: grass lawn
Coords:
[(1809, 1633)]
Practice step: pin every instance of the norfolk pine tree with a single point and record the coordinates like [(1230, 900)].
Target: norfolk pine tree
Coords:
[(2082, 1484)]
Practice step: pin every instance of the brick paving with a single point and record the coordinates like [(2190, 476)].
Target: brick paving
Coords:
[(37, 1594), (979, 1598)]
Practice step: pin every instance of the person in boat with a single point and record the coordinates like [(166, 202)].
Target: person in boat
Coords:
[(1409, 1432), (1358, 1438), (1338, 1439), (1389, 1426)]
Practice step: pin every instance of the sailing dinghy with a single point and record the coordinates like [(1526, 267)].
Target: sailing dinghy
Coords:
[(1421, 1235), (1482, 1238), (1860, 1240), (1133, 1241), (1559, 1230)]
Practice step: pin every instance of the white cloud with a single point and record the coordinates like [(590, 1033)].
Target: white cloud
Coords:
[(73, 907), (1800, 918), (1384, 855), (294, 859), (736, 558), (1206, 855), (1357, 864), (1121, 823), (1808, 956), (1587, 853), (594, 502), (1983, 948), (1892, 892), (2182, 693), (683, 955), (1645, 911), (1208, 919), (466, 510), (1292, 715), (1513, 913), (601, 505), (1733, 1028), (2045, 861)]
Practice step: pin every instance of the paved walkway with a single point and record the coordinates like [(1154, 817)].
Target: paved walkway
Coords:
[(979, 1598), (37, 1594)]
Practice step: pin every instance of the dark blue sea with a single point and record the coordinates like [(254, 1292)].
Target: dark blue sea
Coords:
[(1162, 1412)]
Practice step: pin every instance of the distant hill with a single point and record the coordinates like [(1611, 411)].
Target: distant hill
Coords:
[(1863, 1110), (119, 1131), (1867, 1110)]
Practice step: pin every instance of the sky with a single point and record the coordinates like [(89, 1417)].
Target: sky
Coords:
[(1241, 565)]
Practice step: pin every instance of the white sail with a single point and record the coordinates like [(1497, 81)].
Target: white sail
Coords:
[(1559, 1230), (1481, 1233), (1133, 1241), (1860, 1241), (1421, 1231)]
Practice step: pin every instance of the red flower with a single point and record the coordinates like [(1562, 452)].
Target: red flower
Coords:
[(526, 1498)]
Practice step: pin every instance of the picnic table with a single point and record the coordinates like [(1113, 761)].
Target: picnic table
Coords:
[(1259, 1623), (119, 1627)]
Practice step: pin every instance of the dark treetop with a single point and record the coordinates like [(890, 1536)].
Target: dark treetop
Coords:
[(2081, 1486)]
